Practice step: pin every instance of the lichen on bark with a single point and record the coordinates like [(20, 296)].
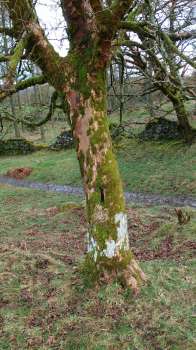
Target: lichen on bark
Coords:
[(81, 77), (108, 249)]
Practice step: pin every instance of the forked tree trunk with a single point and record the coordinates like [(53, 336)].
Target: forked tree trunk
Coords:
[(84, 85), (108, 252)]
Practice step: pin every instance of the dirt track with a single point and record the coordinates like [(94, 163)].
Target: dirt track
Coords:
[(134, 197)]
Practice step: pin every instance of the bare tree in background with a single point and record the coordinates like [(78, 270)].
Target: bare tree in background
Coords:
[(164, 33)]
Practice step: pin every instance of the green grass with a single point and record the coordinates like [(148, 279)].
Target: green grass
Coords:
[(44, 303), (60, 167), (167, 168)]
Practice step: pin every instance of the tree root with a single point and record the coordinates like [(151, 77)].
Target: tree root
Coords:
[(133, 276)]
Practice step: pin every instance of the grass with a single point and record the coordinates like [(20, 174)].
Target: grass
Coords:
[(167, 168), (44, 303)]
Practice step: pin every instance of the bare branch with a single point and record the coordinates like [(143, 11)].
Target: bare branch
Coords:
[(7, 31), (38, 48), (119, 8), (4, 58), (14, 60), (22, 85), (180, 36), (49, 114), (175, 50)]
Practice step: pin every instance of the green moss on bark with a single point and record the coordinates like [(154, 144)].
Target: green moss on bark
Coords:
[(92, 271), (103, 187)]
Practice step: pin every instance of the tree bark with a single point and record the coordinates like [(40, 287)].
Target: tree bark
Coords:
[(108, 252), (15, 123), (169, 82), (81, 77), (183, 118), (121, 68), (38, 102)]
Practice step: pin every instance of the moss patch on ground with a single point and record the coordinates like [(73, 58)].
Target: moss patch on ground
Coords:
[(44, 303)]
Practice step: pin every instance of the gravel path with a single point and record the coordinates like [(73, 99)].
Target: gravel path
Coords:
[(134, 197)]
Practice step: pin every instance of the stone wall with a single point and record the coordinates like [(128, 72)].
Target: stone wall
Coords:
[(161, 129), (63, 141), (16, 146)]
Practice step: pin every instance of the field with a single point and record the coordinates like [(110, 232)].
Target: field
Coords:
[(88, 262), (166, 168), (44, 302)]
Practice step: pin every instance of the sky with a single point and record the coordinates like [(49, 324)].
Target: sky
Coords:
[(51, 19)]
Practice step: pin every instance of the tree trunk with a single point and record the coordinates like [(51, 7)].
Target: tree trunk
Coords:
[(81, 76), (108, 252), (182, 116), (20, 110), (16, 130), (177, 99), (15, 123), (121, 68), (148, 86), (42, 133), (38, 102)]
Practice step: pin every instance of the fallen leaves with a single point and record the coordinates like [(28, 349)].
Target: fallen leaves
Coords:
[(19, 173)]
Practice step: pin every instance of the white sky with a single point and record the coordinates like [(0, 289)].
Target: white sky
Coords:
[(51, 19)]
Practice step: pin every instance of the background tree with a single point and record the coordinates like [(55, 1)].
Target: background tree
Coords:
[(160, 44)]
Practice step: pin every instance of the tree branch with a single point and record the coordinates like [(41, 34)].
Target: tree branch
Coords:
[(119, 8), (14, 60), (139, 28), (180, 36), (38, 48), (143, 28), (171, 46), (22, 85), (81, 23), (49, 114), (4, 58), (7, 31)]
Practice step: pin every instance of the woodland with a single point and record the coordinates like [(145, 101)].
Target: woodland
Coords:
[(97, 174)]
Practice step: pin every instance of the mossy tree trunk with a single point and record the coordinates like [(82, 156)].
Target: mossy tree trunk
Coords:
[(183, 117), (108, 253), (81, 77), (176, 97)]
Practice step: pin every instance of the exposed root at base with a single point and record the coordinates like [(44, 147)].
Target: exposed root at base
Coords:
[(133, 276)]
